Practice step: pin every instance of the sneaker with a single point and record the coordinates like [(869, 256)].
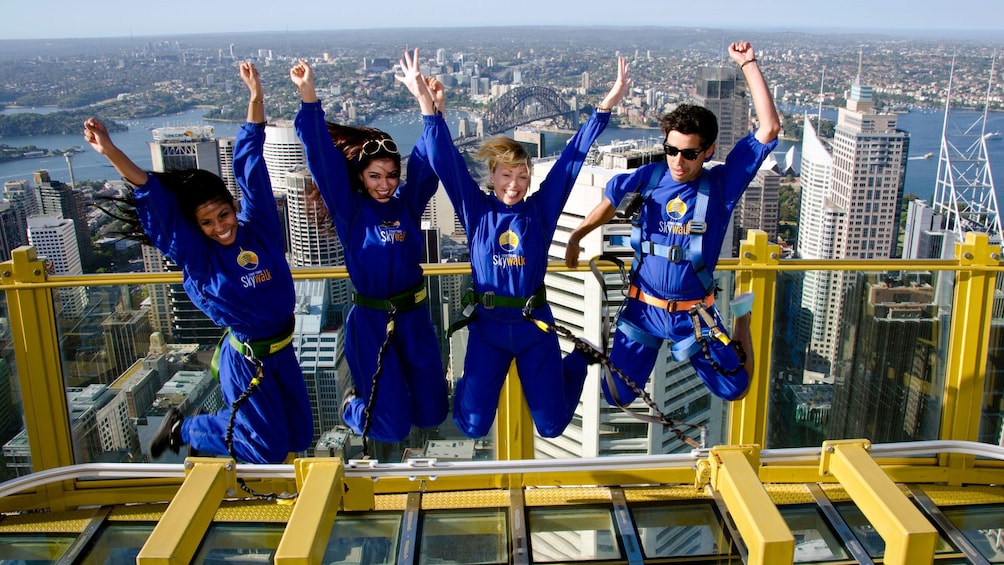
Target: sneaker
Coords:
[(346, 388), (351, 394), (168, 435)]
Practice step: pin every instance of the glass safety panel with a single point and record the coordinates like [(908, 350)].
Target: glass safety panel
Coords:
[(572, 534), (118, 543), (983, 526), (858, 354), (814, 539), (681, 530), (242, 543), (364, 539), (467, 537), (869, 538), (36, 548)]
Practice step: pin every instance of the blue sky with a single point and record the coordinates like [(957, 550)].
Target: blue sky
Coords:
[(24, 19)]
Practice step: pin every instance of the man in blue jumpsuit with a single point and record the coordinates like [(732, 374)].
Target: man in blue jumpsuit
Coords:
[(665, 284), (379, 225), (509, 235), (234, 270)]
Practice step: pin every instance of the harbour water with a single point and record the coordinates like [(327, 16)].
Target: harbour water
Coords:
[(925, 129)]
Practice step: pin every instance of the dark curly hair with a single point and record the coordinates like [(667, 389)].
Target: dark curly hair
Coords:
[(352, 141), (689, 119), (191, 188)]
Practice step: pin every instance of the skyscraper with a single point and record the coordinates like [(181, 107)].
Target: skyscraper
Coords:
[(851, 198), (56, 240), (60, 200), (723, 91), (312, 238), (283, 152)]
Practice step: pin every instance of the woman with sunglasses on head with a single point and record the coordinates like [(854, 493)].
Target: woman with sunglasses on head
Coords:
[(672, 275), (390, 344), (234, 270), (509, 234)]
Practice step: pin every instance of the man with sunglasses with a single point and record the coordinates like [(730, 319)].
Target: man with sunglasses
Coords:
[(675, 249)]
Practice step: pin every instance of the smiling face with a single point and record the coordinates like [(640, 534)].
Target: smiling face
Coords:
[(380, 179), (681, 168), (510, 183), (218, 221)]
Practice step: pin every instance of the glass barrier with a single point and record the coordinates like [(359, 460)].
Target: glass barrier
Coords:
[(858, 355)]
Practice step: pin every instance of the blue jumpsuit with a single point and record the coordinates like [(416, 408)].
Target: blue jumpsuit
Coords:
[(248, 287), (665, 215), (509, 254), (383, 253)]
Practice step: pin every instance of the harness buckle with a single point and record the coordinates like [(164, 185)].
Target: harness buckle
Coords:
[(675, 253), (488, 300), (698, 227)]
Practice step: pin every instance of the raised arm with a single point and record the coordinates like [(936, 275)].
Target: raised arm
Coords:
[(416, 83), (619, 88), (743, 55), (256, 103), (250, 171), (96, 134)]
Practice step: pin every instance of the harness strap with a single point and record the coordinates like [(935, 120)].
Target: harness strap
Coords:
[(256, 349), (637, 334), (669, 305), (407, 300), (490, 300)]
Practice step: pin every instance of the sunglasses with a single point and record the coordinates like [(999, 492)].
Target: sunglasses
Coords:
[(375, 146), (688, 154)]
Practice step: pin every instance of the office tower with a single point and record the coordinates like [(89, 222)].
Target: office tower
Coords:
[(172, 311), (283, 152), (316, 348), (55, 239), (759, 207), (925, 236), (10, 410), (723, 91), (440, 56), (225, 148), (312, 238), (59, 200), (850, 209), (127, 338), (12, 230), (578, 304), (584, 88)]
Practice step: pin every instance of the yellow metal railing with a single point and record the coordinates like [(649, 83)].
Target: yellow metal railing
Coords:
[(31, 310)]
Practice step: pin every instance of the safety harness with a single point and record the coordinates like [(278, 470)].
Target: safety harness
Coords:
[(403, 302), (490, 300), (253, 351)]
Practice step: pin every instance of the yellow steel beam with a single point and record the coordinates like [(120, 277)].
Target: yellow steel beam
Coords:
[(909, 538), (36, 352), (968, 349), (763, 529), (319, 484), (180, 530), (748, 417), (513, 424)]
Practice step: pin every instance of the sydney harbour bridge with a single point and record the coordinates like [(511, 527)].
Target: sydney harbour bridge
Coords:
[(524, 105)]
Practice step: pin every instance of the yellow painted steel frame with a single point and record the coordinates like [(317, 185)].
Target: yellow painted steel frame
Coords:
[(320, 485), (177, 535), (909, 538), (748, 417), (32, 318), (513, 424), (968, 349), (734, 475)]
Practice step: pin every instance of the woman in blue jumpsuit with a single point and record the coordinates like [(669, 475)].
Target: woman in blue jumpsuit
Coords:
[(509, 235), (235, 271), (357, 171)]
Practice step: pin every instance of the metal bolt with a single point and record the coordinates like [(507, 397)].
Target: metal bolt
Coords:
[(829, 449), (6, 273), (967, 255), (773, 255), (229, 466), (231, 492), (747, 255), (995, 256), (36, 272), (188, 465)]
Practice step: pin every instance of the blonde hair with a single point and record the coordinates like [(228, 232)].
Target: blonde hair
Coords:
[(506, 151)]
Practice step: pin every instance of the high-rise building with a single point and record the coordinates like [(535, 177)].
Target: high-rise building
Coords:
[(723, 91), (61, 201), (127, 338), (56, 240), (225, 147), (283, 152), (316, 348), (312, 238), (851, 198), (185, 147), (759, 207), (12, 230)]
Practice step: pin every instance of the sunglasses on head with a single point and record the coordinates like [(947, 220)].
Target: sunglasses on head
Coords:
[(374, 146), (688, 154)]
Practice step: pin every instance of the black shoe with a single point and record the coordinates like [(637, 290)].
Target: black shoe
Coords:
[(168, 435)]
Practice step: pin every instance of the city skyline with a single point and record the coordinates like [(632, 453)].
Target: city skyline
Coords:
[(119, 18)]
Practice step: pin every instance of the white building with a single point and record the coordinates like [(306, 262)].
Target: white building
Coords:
[(56, 240)]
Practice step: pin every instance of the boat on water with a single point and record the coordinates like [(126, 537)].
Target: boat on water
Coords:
[(992, 135)]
